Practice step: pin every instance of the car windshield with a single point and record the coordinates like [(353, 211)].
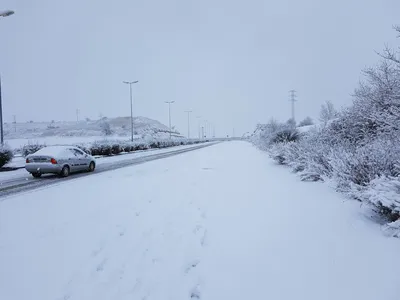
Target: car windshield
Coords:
[(199, 150)]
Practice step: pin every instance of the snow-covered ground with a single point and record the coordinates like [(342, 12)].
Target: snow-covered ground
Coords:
[(223, 222)]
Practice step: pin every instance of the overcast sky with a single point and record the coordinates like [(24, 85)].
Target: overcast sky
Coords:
[(232, 62)]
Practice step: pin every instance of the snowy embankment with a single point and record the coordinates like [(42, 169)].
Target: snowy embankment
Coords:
[(224, 222), (366, 173)]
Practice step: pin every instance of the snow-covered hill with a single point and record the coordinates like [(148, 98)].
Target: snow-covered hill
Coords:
[(119, 126), (19, 134)]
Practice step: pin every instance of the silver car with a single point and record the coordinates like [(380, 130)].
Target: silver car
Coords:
[(61, 160)]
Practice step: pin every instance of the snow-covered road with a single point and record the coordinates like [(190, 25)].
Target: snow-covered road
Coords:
[(222, 222)]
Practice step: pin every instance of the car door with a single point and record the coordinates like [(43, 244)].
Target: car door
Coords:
[(72, 160), (82, 160)]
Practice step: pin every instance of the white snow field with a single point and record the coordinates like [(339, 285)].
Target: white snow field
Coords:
[(223, 222)]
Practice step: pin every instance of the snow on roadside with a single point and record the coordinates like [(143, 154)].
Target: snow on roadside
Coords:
[(223, 222)]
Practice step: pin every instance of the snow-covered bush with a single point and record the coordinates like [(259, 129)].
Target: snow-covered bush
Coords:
[(384, 193), (306, 122), (392, 229), (114, 147), (31, 148), (6, 155), (358, 147), (363, 164), (285, 135)]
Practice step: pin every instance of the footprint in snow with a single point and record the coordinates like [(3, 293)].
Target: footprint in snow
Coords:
[(100, 266), (195, 293), (197, 229), (192, 266), (97, 251), (203, 240)]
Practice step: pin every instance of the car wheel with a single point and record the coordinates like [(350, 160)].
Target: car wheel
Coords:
[(92, 166), (65, 171), (36, 175)]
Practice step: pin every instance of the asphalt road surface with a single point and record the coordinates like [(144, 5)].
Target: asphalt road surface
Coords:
[(26, 183)]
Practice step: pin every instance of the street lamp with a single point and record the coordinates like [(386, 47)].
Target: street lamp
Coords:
[(169, 114), (130, 90), (188, 112), (5, 13)]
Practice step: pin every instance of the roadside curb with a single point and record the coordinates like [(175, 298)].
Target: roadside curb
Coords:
[(8, 169)]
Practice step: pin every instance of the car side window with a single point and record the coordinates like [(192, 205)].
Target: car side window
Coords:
[(68, 153), (77, 152)]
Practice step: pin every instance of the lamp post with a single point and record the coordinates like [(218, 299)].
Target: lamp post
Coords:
[(130, 90), (5, 13), (169, 116)]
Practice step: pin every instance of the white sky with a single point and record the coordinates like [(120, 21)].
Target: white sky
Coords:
[(232, 62)]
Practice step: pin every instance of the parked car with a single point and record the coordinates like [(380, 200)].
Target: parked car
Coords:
[(61, 160)]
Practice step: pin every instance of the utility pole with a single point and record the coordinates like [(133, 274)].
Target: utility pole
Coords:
[(188, 113), (213, 131), (205, 128), (293, 100), (1, 118), (202, 132), (169, 116), (15, 123), (4, 14), (130, 90)]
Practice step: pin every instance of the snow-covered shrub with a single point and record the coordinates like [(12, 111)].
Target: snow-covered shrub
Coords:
[(392, 229), (358, 147), (363, 164), (384, 193), (101, 148), (31, 148), (306, 122), (116, 148), (6, 154), (308, 156), (285, 135)]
